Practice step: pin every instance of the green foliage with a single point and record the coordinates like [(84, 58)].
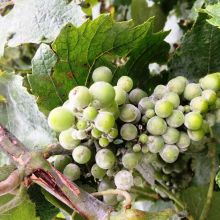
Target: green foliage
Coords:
[(5, 171), (214, 11)]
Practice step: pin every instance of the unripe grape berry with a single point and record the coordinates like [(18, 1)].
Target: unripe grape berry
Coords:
[(143, 138), (193, 121), (66, 140), (138, 181), (96, 133), (217, 103), (110, 199), (144, 119), (106, 184), (156, 126), (129, 161), (97, 171), (104, 121), (196, 135), (158, 176), (199, 104), (105, 159), (128, 131), (102, 92), (168, 168), (145, 149), (136, 95), (137, 148), (181, 108), (81, 124), (120, 95), (124, 180), (171, 135), (61, 162), (183, 79), (210, 118), (169, 153), (113, 133), (184, 140), (205, 126), (67, 104), (81, 154), (149, 157), (176, 119), (128, 113), (176, 85), (186, 109), (150, 113), (160, 91), (145, 104), (90, 113), (113, 108), (173, 98), (103, 142), (80, 96), (155, 144), (191, 91), (211, 81), (81, 134), (210, 96), (72, 171), (125, 83), (102, 73), (60, 119), (163, 108)]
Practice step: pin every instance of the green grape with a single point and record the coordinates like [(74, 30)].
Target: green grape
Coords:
[(193, 121), (176, 85), (184, 140), (186, 109), (125, 83), (102, 92), (158, 176), (103, 142), (105, 159), (145, 104), (66, 140), (110, 172), (163, 108), (210, 118), (129, 161), (124, 180), (143, 138), (120, 95), (137, 119), (160, 91), (159, 163), (211, 81), (138, 181), (216, 113), (113, 108), (136, 95), (155, 144), (181, 108), (156, 126), (168, 168), (196, 135), (113, 133), (97, 171), (149, 157), (128, 113), (81, 154), (183, 79), (80, 97), (137, 148), (104, 121), (176, 119), (191, 91), (144, 119), (61, 162), (173, 98), (102, 73), (199, 104), (179, 166), (105, 185), (139, 155), (90, 113), (81, 124), (210, 96), (81, 135), (171, 135), (145, 149), (72, 171), (128, 132), (169, 153), (205, 126), (110, 199), (150, 113), (96, 133), (95, 104), (60, 119), (165, 177)]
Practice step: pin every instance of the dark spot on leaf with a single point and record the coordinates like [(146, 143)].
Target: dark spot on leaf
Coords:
[(59, 84), (85, 65), (108, 52), (69, 75)]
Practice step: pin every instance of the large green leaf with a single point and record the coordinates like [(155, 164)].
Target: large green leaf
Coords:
[(214, 11), (81, 50), (37, 21), (24, 211), (198, 51), (20, 114), (195, 198), (5, 171)]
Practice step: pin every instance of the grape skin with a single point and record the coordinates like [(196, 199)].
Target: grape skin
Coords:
[(193, 121), (129, 161), (155, 144), (163, 108), (125, 83), (176, 119), (102, 73), (191, 91), (136, 95), (145, 104), (120, 95), (171, 135), (169, 153), (128, 113), (81, 154), (156, 126), (61, 162), (124, 180), (105, 159), (104, 121), (128, 131), (72, 171), (97, 171)]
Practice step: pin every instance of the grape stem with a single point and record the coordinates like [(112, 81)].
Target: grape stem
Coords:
[(12, 68), (54, 149), (127, 203), (97, 146), (142, 192)]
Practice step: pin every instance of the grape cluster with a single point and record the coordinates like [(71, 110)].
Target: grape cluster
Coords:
[(114, 128)]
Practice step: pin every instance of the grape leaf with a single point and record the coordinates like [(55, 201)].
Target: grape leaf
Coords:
[(24, 211), (5, 171), (39, 21), (214, 11), (195, 198), (20, 114), (198, 51), (193, 12), (81, 50)]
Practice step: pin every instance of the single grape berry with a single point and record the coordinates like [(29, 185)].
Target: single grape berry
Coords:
[(128, 113), (110, 199), (173, 98), (160, 91), (199, 104), (61, 162), (149, 157), (212, 82), (156, 126), (96, 133), (104, 121), (150, 113), (129, 161), (60, 119), (103, 142), (125, 83), (163, 108), (184, 140), (120, 95), (102, 73), (155, 144), (81, 124), (124, 180), (128, 131), (81, 154), (113, 109), (105, 159), (196, 135), (72, 171), (193, 121), (113, 133), (143, 138), (98, 172), (137, 148), (183, 79), (171, 135), (176, 119), (136, 95), (138, 181), (210, 118), (90, 113), (169, 153), (191, 91), (210, 96), (176, 85)]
